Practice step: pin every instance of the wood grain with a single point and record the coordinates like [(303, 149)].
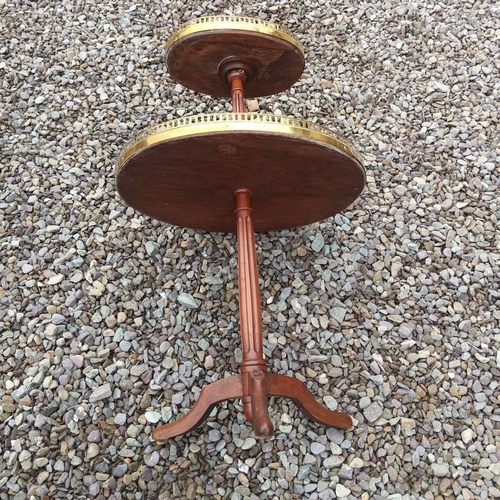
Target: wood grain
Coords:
[(210, 395), (194, 60), (190, 181)]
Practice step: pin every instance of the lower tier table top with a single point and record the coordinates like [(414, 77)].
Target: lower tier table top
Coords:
[(185, 171)]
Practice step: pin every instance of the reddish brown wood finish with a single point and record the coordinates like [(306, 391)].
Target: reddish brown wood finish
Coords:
[(294, 389), (190, 181), (236, 79), (229, 173), (253, 367), (275, 63), (210, 395), (254, 385)]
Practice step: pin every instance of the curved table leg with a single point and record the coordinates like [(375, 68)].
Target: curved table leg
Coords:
[(294, 389), (210, 395)]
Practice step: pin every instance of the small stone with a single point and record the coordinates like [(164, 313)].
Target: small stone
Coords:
[(252, 105), (77, 360), (102, 392), (341, 491), (92, 451), (345, 472), (42, 477), (467, 436), (326, 84), (51, 330), (41, 462), (187, 300), (338, 313), (333, 461), (435, 86), (19, 393), (400, 190), (138, 370), (152, 249), (94, 489), (330, 402), (58, 319), (209, 362), (249, 443), (153, 459), (94, 437), (214, 435), (39, 421), (407, 424), (432, 389), (303, 472), (55, 279), (318, 242), (153, 416), (120, 470), (203, 344), (177, 398), (335, 435), (317, 448), (440, 470), (120, 418), (133, 431), (373, 412), (356, 463), (467, 494), (494, 492)]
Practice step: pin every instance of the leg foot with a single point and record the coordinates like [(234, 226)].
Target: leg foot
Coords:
[(294, 389), (210, 395), (257, 382)]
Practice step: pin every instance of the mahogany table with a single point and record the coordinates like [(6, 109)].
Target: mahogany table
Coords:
[(241, 172)]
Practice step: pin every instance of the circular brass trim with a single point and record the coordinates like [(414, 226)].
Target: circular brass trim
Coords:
[(212, 23), (235, 122)]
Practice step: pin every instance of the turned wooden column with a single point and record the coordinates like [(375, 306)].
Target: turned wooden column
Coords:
[(237, 78), (253, 367)]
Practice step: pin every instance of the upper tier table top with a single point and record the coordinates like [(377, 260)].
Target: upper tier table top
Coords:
[(201, 49)]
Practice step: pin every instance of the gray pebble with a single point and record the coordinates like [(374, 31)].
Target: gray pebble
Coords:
[(120, 418), (187, 300), (153, 459), (317, 448), (318, 242), (373, 412), (440, 470), (100, 393), (120, 470)]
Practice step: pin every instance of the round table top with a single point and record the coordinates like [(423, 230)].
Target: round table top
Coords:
[(198, 52), (185, 171)]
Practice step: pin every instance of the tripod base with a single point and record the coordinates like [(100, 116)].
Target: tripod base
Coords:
[(232, 388), (255, 384)]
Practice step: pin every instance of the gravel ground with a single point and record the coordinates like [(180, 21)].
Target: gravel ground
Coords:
[(112, 323)]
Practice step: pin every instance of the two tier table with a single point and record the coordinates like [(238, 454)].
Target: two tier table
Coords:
[(240, 172)]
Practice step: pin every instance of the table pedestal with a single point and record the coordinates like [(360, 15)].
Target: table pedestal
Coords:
[(255, 384)]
